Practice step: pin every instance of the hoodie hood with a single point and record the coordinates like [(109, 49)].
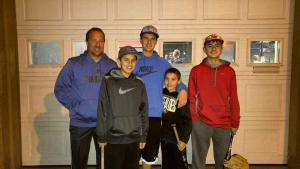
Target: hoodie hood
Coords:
[(224, 64), (116, 73), (145, 59), (90, 60), (155, 55)]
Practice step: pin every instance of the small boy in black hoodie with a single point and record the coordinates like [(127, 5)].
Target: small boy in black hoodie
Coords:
[(122, 116), (181, 117)]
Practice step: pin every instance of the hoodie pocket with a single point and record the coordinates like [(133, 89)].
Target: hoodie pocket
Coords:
[(126, 125), (87, 111), (215, 113)]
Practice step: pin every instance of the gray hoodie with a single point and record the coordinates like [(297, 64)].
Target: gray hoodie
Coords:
[(122, 115)]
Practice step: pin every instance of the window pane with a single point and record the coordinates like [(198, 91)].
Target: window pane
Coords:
[(265, 51), (80, 47), (228, 52), (45, 53), (177, 52), (137, 45)]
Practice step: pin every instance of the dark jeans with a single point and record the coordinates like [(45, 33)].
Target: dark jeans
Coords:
[(80, 146)]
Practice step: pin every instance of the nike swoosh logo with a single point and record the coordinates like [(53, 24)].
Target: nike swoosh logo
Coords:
[(145, 74), (125, 91)]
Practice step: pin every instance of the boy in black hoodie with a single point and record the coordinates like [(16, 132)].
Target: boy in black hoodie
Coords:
[(181, 117), (122, 116)]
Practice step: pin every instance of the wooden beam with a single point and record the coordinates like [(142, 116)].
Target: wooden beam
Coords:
[(10, 121), (294, 116)]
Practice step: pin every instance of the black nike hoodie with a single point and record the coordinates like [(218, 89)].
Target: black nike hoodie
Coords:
[(122, 115)]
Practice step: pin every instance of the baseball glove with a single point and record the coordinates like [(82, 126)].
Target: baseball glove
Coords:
[(236, 162)]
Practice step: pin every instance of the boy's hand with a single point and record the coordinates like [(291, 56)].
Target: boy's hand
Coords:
[(142, 145), (101, 145), (181, 146), (234, 130), (182, 97)]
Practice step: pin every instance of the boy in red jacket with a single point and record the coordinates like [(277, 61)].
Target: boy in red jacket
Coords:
[(214, 104)]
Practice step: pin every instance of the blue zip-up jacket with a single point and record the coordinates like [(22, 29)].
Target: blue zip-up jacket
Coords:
[(152, 71), (77, 87)]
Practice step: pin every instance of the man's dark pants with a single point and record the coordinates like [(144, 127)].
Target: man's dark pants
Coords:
[(81, 138)]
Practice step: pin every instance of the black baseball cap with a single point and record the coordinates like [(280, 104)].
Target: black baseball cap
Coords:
[(126, 50)]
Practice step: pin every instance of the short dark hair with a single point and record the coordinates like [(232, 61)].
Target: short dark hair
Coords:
[(175, 71), (87, 36)]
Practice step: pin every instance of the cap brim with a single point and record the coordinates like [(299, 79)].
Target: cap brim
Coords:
[(137, 56), (218, 40), (157, 36)]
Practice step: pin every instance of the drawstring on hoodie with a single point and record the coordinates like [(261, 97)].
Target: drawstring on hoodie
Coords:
[(210, 74), (93, 69), (215, 79), (98, 71), (223, 64)]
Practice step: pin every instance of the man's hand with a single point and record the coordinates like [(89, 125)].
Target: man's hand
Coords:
[(181, 146), (142, 145), (101, 145), (234, 130), (182, 97)]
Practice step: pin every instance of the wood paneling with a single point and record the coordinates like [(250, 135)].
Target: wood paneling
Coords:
[(177, 9), (267, 9), (132, 9), (264, 99), (88, 9), (218, 9), (43, 10)]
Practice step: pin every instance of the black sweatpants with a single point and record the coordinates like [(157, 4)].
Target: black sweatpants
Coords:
[(171, 156), (80, 146), (122, 156)]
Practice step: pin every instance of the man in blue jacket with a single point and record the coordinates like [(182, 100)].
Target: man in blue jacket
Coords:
[(151, 68), (77, 88)]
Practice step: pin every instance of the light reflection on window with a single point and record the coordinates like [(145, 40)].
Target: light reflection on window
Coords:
[(265, 52), (177, 52), (45, 53), (79, 48), (229, 50)]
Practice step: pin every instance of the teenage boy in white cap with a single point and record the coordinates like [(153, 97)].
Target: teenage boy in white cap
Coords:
[(122, 116), (214, 104), (151, 68)]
